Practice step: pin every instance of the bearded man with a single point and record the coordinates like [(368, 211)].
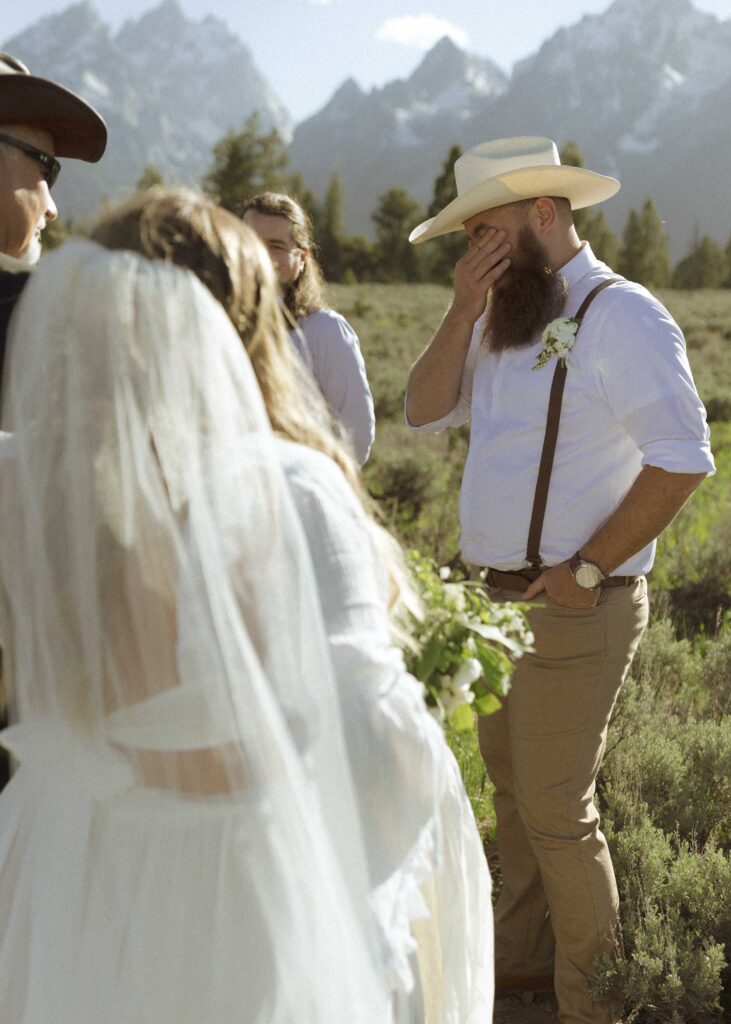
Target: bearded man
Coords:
[(564, 519)]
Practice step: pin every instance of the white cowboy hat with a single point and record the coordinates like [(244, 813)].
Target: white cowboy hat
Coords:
[(507, 170)]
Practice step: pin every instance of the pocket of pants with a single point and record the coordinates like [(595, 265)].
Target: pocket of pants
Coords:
[(562, 632)]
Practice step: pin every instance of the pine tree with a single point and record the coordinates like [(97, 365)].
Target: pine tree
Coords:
[(657, 261), (630, 260), (149, 178), (703, 267), (245, 163), (644, 256), (571, 156), (330, 230), (446, 250), (726, 283), (591, 225), (295, 186), (601, 238), (359, 260), (396, 214)]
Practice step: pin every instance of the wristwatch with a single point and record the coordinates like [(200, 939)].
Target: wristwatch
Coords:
[(587, 575)]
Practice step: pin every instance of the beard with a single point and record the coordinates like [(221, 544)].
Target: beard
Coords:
[(33, 251), (526, 298)]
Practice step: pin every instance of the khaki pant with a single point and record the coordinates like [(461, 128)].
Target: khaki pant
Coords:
[(558, 909)]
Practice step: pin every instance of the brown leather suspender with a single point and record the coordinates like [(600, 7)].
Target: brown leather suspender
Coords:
[(555, 400)]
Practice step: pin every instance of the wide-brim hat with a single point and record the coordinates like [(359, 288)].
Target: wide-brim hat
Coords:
[(507, 170), (78, 131)]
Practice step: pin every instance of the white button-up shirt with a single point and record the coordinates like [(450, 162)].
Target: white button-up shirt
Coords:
[(629, 401), (329, 347)]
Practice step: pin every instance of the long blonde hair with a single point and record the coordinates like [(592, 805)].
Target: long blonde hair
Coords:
[(187, 228)]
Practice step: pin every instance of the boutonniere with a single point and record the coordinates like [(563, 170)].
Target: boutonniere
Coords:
[(558, 340)]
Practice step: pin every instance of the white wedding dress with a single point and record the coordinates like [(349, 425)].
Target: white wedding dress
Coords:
[(426, 865), (180, 842)]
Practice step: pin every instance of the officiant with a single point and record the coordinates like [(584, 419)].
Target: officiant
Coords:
[(40, 121), (587, 437)]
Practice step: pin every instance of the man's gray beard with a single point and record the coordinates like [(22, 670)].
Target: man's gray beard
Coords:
[(32, 253), (532, 296)]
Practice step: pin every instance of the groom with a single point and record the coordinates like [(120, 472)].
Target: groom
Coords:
[(39, 121), (566, 518)]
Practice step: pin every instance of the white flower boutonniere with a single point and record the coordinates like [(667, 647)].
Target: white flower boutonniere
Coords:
[(558, 340)]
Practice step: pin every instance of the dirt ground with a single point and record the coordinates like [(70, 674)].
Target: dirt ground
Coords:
[(525, 1010)]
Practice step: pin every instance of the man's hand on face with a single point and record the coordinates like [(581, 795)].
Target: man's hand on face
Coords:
[(559, 584), (477, 271)]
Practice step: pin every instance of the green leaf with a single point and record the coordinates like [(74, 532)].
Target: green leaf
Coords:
[(487, 705), (494, 634), (428, 661), (496, 668), (462, 719)]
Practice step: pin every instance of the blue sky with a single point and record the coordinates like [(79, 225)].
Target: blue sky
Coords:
[(306, 48)]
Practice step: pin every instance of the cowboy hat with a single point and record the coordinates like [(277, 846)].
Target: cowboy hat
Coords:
[(507, 170), (77, 129)]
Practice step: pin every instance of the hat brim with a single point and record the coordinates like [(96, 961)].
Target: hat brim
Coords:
[(78, 131), (580, 186)]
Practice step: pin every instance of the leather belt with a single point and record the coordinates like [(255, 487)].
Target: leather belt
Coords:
[(519, 579)]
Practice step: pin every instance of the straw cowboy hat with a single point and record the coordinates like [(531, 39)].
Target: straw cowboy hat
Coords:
[(508, 170), (77, 130)]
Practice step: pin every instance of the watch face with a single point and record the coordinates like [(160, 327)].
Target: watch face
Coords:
[(588, 576)]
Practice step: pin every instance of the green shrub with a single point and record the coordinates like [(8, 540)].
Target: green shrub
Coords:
[(716, 674), (692, 570), (670, 975), (665, 795)]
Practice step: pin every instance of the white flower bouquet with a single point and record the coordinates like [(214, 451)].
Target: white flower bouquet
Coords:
[(466, 645), (558, 339)]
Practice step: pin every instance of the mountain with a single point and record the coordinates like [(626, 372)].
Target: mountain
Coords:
[(629, 85), (633, 86), (168, 87), (397, 135), (644, 88)]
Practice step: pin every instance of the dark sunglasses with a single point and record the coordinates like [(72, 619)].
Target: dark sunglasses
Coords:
[(50, 163)]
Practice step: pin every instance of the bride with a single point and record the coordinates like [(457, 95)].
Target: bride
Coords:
[(179, 843), (426, 869)]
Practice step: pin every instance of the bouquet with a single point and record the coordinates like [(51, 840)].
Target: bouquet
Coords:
[(466, 645)]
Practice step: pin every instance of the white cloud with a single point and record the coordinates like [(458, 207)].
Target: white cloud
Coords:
[(320, 3), (420, 31)]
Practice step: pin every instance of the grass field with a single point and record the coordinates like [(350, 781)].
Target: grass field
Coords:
[(665, 787)]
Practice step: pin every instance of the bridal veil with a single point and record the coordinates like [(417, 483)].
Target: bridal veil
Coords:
[(179, 842)]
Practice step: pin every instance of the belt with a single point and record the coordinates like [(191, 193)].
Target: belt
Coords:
[(518, 579)]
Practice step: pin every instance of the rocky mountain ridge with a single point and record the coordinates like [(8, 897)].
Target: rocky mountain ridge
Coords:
[(633, 86), (169, 88), (644, 88)]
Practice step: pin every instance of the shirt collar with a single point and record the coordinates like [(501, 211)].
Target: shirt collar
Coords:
[(579, 265), (11, 265)]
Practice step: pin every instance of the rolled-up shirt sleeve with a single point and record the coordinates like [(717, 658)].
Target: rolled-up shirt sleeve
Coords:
[(462, 411), (643, 370)]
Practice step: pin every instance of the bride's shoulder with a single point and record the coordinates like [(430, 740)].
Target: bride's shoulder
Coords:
[(311, 471)]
